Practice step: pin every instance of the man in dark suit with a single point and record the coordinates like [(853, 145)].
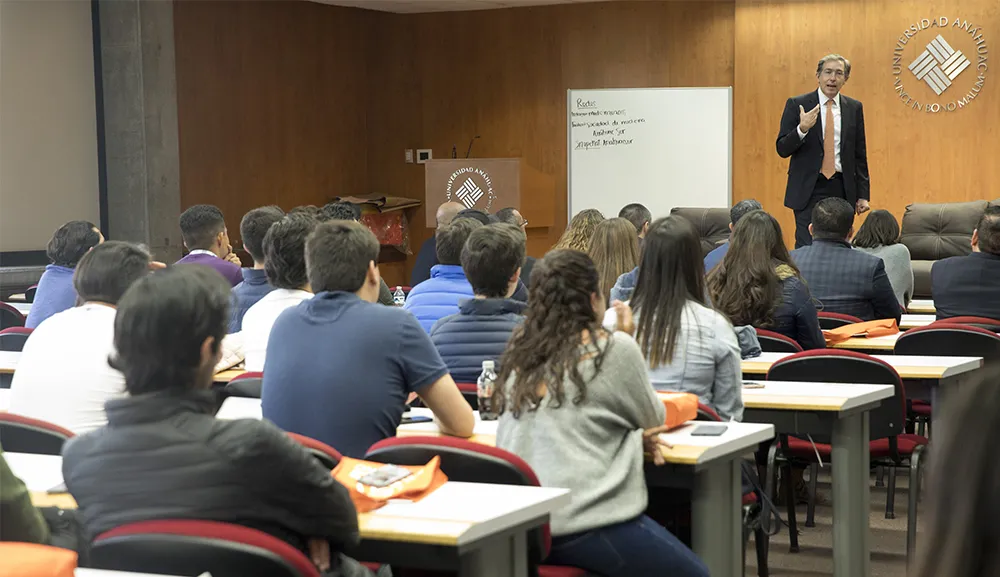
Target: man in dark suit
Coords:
[(968, 285), (843, 279), (828, 160)]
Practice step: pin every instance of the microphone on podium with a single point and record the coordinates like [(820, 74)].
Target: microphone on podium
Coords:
[(471, 142)]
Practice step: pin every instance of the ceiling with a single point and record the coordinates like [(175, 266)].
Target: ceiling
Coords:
[(416, 6)]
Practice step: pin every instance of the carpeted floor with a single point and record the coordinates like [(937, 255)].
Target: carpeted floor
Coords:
[(815, 558)]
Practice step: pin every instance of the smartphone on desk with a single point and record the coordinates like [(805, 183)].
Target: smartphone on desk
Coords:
[(409, 419), (713, 430), (384, 476), (752, 385)]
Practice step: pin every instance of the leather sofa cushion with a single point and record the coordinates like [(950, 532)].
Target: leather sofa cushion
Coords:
[(712, 225), (937, 231)]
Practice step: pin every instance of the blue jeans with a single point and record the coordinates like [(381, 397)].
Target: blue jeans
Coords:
[(630, 549)]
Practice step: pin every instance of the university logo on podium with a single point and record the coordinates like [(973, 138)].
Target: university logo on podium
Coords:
[(953, 62), (475, 184)]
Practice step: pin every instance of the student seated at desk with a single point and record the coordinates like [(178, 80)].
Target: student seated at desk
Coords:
[(968, 285), (339, 366), (577, 406), (689, 347), (844, 280), (55, 291), (349, 211), (164, 455), (63, 375), (757, 283), (614, 250), (879, 236), (438, 296), (492, 260), (205, 236), (284, 248), (254, 287)]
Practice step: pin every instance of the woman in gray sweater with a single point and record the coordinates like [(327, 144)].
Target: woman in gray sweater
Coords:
[(879, 235), (577, 405)]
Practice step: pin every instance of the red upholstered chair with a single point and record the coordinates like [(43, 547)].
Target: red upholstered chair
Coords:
[(247, 385), (13, 338), (981, 322), (325, 454), (183, 547), (950, 340), (10, 316), (889, 446), (21, 434), (829, 321), (772, 342), (463, 460)]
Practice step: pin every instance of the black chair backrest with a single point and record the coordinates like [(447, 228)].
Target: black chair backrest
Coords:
[(187, 555), (27, 438), (951, 340), (830, 321), (835, 366), (29, 294), (10, 317), (13, 342), (249, 387)]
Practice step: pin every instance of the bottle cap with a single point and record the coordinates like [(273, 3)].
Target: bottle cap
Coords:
[(489, 365)]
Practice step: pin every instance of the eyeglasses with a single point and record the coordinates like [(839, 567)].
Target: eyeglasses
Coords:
[(832, 72), (524, 224)]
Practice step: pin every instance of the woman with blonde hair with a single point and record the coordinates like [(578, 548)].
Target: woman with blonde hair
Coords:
[(580, 230), (614, 250)]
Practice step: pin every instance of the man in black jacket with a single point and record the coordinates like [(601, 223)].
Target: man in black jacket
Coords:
[(968, 285), (164, 455), (824, 134)]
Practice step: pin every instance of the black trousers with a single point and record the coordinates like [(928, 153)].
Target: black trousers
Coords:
[(825, 188)]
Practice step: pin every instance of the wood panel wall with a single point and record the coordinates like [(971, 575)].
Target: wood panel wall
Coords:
[(913, 156), (272, 102)]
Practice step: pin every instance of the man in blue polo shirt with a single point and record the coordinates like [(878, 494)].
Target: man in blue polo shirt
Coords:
[(339, 367)]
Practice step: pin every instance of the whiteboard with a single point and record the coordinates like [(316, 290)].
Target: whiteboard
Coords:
[(662, 147)]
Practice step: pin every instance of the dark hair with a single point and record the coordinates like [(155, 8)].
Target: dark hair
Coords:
[(476, 214), (510, 216), (989, 230), (829, 57), (254, 226), (451, 239), (162, 321), (200, 224), (71, 241), (746, 286), (879, 229), (284, 251), (340, 211), (547, 348), (960, 524), (832, 218), (672, 273), (491, 256), (337, 255), (637, 214), (307, 209), (614, 249), (742, 208), (106, 272)]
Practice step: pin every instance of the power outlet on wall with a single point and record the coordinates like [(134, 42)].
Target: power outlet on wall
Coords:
[(409, 156)]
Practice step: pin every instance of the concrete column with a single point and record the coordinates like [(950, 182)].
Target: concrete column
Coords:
[(140, 123)]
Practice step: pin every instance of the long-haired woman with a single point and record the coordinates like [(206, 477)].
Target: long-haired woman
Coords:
[(614, 250), (580, 230), (689, 347), (879, 235), (577, 405), (757, 283)]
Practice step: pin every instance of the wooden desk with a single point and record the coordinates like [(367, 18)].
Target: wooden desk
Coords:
[(876, 344), (476, 529), (922, 306), (17, 298), (228, 375), (914, 321), (709, 466), (838, 412), (23, 308), (908, 367)]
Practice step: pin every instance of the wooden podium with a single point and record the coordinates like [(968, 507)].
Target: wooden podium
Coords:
[(489, 184)]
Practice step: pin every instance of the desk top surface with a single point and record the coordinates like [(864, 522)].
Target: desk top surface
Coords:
[(913, 321), (9, 359), (806, 396), (23, 308), (454, 515), (921, 306), (884, 343), (908, 367)]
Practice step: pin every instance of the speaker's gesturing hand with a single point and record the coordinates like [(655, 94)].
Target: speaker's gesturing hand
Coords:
[(808, 119)]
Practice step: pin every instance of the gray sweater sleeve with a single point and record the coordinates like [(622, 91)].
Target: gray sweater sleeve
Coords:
[(636, 398), (727, 391)]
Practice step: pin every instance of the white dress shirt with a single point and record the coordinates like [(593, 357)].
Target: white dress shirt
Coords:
[(836, 126), (63, 375), (260, 318)]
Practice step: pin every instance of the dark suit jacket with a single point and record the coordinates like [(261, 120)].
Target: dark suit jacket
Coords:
[(426, 258), (967, 286), (807, 154), (847, 281)]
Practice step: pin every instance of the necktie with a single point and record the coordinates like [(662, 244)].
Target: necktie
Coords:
[(829, 153)]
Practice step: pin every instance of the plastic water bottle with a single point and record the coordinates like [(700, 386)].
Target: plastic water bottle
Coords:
[(399, 297), (484, 391)]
